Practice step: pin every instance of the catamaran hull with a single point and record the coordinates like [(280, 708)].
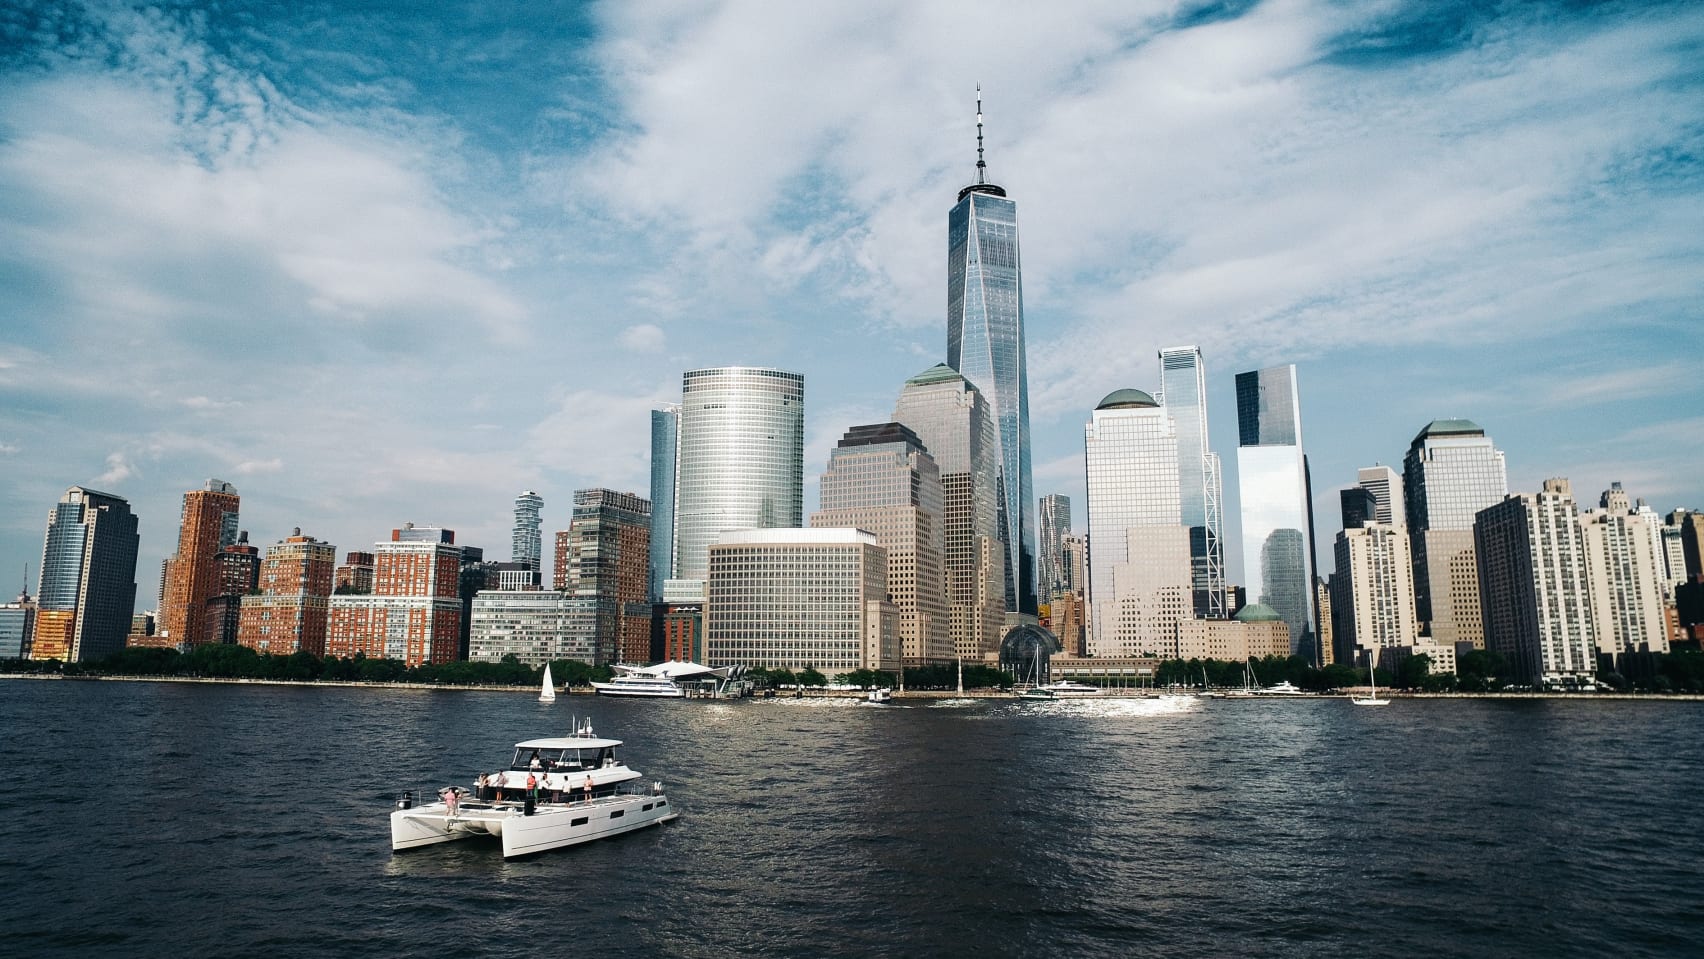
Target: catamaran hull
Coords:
[(550, 827)]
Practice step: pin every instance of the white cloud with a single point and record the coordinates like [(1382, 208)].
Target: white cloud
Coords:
[(644, 338), (118, 470), (7, 449), (253, 467)]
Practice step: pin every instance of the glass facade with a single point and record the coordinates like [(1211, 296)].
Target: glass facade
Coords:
[(1139, 563), (665, 446), (1451, 472), (88, 571), (954, 422), (1183, 378), (985, 342), (1054, 526), (741, 459), (1277, 526), (526, 543)]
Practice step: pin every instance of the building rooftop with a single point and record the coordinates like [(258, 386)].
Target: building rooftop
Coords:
[(1450, 428), (1257, 613), (939, 373), (1128, 400)]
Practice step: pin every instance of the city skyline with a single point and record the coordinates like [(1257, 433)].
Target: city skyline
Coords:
[(1486, 204)]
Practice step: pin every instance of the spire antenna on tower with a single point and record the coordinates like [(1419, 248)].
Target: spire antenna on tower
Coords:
[(981, 165)]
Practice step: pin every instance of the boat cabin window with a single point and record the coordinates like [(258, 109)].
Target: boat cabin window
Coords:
[(547, 759)]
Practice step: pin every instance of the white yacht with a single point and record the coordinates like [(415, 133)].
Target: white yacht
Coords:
[(1068, 689), (581, 792), (1285, 688), (665, 680), (640, 684)]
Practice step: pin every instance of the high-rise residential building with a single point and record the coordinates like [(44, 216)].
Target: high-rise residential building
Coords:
[(1277, 524), (414, 612), (1691, 541), (1531, 553), (356, 574), (535, 626), (882, 480), (292, 611), (1372, 601), (209, 524), (608, 559), (1386, 486), (985, 342), (800, 598), (1626, 577), (88, 578), (949, 414), (1054, 524), (1183, 392), (1673, 552), (526, 542), (1140, 570), (665, 452), (741, 458), (17, 626), (1076, 567), (1451, 472), (237, 568), (1322, 607)]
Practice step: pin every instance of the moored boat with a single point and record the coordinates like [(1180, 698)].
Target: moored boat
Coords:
[(555, 792)]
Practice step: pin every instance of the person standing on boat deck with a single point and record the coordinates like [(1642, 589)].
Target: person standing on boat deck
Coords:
[(588, 789), (532, 788), (481, 789), (497, 784), (452, 800)]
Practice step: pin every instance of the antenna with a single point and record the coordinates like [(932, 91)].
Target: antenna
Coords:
[(981, 165)]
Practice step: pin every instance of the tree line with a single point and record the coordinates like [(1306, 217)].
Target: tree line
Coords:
[(226, 661)]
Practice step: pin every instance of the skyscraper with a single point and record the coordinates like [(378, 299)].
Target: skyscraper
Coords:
[(209, 524), (1055, 525), (526, 542), (88, 577), (741, 459), (1626, 577), (1183, 380), (1451, 472), (949, 414), (1139, 567), (1531, 554), (1386, 486), (1372, 601), (1272, 473), (985, 342), (665, 448), (608, 559), (414, 612), (881, 479)]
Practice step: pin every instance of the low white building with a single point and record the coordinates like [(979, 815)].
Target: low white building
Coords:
[(536, 626)]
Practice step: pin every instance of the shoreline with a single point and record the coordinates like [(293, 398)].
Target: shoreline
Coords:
[(851, 694)]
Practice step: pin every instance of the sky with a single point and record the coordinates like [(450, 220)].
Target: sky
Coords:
[(376, 263)]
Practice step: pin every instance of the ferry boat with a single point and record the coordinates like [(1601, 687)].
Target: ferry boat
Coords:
[(640, 684), (674, 680), (1068, 689), (583, 792)]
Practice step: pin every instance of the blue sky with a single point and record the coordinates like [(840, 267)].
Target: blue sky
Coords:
[(376, 263)]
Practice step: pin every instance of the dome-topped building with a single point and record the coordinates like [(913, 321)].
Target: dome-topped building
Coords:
[(1128, 400)]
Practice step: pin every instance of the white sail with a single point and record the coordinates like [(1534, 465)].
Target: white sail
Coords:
[(547, 694)]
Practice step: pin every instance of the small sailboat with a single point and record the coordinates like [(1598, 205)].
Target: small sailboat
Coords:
[(547, 691), (1373, 698)]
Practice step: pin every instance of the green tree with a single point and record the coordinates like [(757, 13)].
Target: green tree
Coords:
[(811, 677)]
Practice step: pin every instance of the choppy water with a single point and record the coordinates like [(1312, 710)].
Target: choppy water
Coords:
[(986, 829)]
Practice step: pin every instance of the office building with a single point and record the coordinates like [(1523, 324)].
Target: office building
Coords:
[(535, 626), (1531, 553), (665, 450), (881, 479), (956, 425), (1385, 484), (88, 578), (292, 609), (800, 598), (1277, 520), (607, 559), (1140, 578), (1372, 601), (209, 524), (414, 613), (1451, 472), (1255, 632), (1055, 524), (985, 342), (1359, 506), (1626, 577), (1691, 527), (741, 458), (526, 544), (1183, 393), (17, 626)]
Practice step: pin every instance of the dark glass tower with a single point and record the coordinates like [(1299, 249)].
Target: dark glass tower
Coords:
[(985, 343)]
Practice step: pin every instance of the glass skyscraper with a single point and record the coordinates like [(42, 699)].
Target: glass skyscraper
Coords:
[(88, 577), (1055, 525), (526, 543), (1277, 522), (1139, 562), (985, 342), (665, 447), (741, 459), (1183, 379), (949, 414), (1451, 472)]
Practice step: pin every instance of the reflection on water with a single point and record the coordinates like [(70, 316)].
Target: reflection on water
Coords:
[(256, 821)]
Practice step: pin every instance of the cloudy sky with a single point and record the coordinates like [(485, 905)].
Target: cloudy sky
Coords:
[(382, 262)]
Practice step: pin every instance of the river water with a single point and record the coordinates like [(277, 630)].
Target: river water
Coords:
[(148, 819)]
